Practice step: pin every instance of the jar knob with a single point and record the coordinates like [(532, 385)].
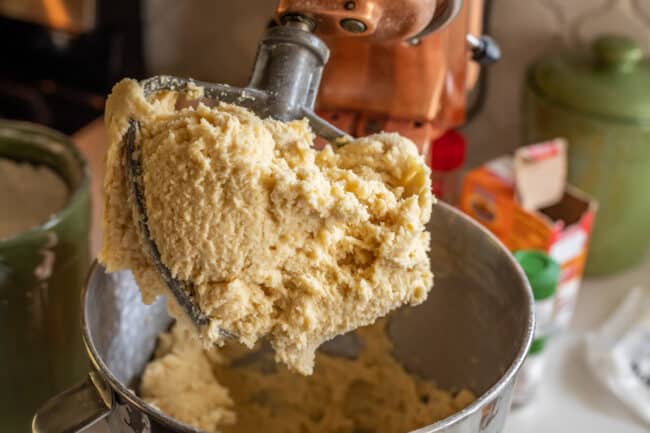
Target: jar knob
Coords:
[(617, 52)]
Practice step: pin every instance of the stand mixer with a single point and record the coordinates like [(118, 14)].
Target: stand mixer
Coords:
[(287, 75), (475, 328)]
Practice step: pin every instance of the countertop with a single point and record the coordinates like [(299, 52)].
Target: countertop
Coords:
[(569, 400)]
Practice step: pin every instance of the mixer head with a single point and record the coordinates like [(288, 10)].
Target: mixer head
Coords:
[(284, 85)]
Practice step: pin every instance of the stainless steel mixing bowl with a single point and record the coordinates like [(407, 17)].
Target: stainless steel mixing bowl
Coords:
[(473, 331)]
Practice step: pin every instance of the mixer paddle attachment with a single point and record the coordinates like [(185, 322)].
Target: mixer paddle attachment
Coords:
[(284, 85)]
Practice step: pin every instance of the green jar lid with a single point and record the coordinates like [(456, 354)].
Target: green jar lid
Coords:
[(611, 80), (542, 271), (537, 345)]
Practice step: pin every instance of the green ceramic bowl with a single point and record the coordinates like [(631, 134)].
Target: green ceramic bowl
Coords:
[(41, 273)]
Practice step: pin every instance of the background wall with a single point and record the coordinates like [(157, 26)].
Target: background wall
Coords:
[(216, 40), (526, 29), (212, 40)]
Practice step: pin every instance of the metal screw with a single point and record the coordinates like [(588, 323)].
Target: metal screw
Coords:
[(414, 42), (353, 25), (473, 41), (484, 49), (349, 5)]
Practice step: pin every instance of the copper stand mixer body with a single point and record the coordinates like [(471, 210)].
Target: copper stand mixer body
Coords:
[(395, 75)]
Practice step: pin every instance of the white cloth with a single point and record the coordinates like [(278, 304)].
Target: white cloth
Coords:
[(618, 353)]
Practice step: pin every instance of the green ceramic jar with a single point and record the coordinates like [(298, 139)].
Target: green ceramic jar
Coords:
[(41, 273), (599, 100)]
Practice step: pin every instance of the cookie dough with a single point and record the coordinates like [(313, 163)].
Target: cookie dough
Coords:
[(372, 393), (280, 240), (180, 382)]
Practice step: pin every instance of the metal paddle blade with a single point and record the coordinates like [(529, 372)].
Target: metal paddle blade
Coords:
[(181, 290)]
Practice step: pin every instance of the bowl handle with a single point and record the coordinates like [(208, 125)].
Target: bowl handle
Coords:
[(75, 408)]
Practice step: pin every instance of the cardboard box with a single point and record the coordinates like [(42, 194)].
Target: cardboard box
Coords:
[(493, 195)]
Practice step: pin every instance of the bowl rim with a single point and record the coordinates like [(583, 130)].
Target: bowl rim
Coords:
[(485, 398)]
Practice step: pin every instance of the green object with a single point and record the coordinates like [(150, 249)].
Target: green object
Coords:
[(599, 100), (41, 273), (537, 345), (610, 82), (543, 272)]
